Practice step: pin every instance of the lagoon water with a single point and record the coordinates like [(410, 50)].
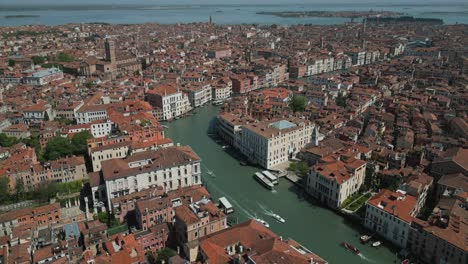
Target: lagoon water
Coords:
[(451, 13)]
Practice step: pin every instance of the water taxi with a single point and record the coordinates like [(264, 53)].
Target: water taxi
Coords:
[(263, 222), (263, 180), (351, 248), (278, 218)]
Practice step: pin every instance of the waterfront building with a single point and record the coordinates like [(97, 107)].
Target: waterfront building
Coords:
[(195, 221), (168, 102), (171, 167), (271, 143), (390, 214), (251, 242), (442, 238), (199, 93), (222, 90), (335, 178)]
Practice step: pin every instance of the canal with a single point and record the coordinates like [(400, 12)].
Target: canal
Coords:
[(317, 228)]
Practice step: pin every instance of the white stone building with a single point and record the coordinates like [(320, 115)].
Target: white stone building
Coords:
[(168, 102), (390, 214), (332, 181), (271, 143), (171, 168)]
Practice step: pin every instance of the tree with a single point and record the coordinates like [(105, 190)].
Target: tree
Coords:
[(298, 103), (11, 63), (341, 100), (19, 190), (58, 147), (63, 57), (164, 255), (4, 189), (301, 168), (38, 60), (6, 141), (80, 142)]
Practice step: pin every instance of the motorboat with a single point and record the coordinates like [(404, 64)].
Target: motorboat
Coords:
[(365, 238), (376, 244), (351, 248), (263, 222), (278, 218), (406, 261)]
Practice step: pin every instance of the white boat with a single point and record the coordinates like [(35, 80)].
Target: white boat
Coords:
[(273, 179), (376, 244), (263, 222), (278, 218), (225, 147), (263, 180)]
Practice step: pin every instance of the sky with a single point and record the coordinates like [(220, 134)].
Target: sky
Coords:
[(224, 2)]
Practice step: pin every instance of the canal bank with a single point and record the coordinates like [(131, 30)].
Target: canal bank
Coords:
[(319, 229)]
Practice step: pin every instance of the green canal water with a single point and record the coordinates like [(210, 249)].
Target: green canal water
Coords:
[(319, 229)]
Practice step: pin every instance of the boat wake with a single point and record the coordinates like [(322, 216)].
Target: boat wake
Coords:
[(232, 200), (208, 171), (265, 210), (365, 258)]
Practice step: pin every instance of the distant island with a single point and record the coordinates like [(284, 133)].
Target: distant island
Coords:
[(347, 14), (21, 16), (404, 19)]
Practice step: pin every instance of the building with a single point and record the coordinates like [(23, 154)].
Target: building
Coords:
[(67, 110), (442, 238), (42, 77), (451, 185), (112, 65), (169, 102), (37, 113), (271, 143), (171, 168), (453, 161), (40, 216), (219, 53), (17, 131), (390, 214), (199, 94), (335, 178), (90, 113), (153, 239), (222, 90), (251, 242), (196, 221)]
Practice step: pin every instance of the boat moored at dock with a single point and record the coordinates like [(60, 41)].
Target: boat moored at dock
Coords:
[(272, 178), (263, 180)]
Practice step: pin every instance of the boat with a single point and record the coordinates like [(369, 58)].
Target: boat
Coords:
[(351, 248), (243, 163), (225, 146), (263, 222), (376, 244), (270, 177), (365, 238), (278, 218), (263, 180), (225, 205), (406, 261)]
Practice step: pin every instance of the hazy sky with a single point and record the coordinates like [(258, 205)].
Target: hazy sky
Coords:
[(226, 2)]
